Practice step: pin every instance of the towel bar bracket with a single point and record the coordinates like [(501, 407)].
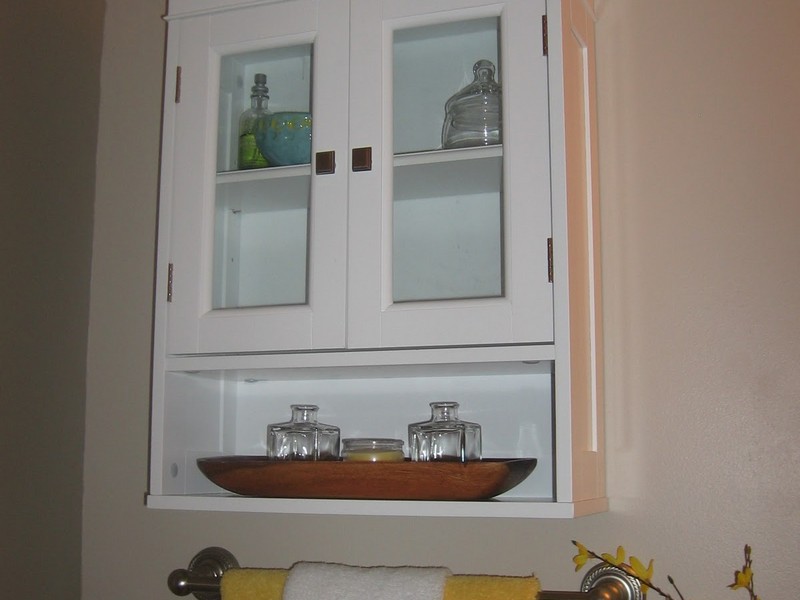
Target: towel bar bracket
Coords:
[(203, 575), (612, 582)]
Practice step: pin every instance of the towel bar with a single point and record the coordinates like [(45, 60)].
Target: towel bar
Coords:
[(202, 578)]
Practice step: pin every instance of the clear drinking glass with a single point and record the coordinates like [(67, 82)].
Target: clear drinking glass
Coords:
[(303, 438), (444, 436)]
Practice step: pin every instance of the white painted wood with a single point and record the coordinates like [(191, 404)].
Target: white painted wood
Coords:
[(194, 324), (218, 412), (580, 472), (530, 509), (312, 365), (189, 8), (526, 365), (522, 312)]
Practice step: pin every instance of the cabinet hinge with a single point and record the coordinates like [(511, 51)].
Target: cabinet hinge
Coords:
[(550, 260), (544, 35), (177, 84), (169, 283)]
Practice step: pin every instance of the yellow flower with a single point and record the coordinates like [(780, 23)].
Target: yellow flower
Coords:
[(743, 578), (615, 560), (640, 571), (581, 557), (635, 569)]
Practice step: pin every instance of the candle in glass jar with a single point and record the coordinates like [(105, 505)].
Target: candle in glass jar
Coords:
[(372, 450)]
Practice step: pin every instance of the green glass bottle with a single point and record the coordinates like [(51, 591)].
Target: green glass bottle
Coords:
[(250, 156)]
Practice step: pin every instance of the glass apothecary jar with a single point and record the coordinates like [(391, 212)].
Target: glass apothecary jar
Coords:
[(473, 116), (444, 436), (303, 438)]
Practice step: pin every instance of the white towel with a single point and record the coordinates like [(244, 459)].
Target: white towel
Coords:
[(331, 581)]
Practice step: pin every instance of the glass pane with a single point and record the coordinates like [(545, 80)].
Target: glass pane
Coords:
[(263, 178), (447, 217), (261, 242)]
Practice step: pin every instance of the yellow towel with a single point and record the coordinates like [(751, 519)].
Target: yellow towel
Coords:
[(490, 587), (267, 584), (253, 584)]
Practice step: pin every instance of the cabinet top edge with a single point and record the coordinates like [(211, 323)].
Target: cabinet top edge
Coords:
[(181, 9)]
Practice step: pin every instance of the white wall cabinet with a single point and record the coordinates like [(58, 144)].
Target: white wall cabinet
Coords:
[(405, 274)]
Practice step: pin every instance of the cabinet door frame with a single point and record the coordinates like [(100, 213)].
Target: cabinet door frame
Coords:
[(188, 199), (525, 313)]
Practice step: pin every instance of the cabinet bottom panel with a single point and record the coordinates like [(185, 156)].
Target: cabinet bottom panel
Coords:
[(219, 413), (525, 508)]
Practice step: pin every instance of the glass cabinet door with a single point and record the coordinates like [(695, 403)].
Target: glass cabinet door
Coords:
[(259, 262), (447, 206), (463, 177), (263, 181)]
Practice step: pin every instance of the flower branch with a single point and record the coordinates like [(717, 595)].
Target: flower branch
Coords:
[(635, 568)]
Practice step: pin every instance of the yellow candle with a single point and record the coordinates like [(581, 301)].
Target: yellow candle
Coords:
[(372, 450), (374, 455)]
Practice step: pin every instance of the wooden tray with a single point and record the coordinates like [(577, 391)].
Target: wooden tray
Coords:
[(266, 478)]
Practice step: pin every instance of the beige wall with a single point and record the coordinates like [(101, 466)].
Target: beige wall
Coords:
[(50, 78), (700, 181)]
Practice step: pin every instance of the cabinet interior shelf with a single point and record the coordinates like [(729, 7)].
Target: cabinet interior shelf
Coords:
[(430, 174), (369, 364), (447, 155), (224, 177), (407, 159)]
